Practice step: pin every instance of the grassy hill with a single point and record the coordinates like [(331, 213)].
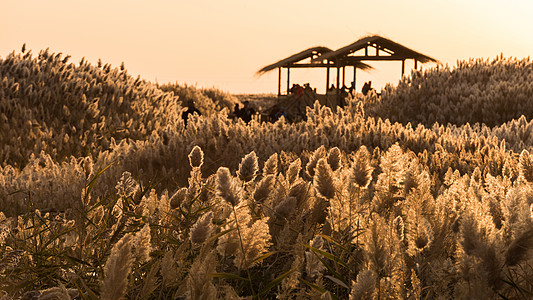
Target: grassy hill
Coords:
[(374, 201), (491, 92)]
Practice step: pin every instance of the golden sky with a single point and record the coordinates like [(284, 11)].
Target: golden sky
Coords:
[(222, 43)]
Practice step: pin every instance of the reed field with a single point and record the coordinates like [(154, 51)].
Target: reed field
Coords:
[(424, 192)]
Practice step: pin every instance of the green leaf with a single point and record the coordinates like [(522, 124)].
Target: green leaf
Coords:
[(337, 281), (91, 184), (319, 289), (314, 286), (227, 276), (333, 241), (275, 282), (216, 236), (261, 257), (327, 255)]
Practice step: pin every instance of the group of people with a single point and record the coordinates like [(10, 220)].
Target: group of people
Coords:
[(298, 90), (244, 113), (367, 87)]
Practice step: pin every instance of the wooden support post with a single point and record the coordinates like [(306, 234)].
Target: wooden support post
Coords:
[(327, 79), (403, 66), (343, 76), (354, 77), (366, 51), (288, 78), (416, 64), (338, 81), (279, 81)]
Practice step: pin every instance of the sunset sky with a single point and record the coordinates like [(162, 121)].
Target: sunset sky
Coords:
[(222, 43)]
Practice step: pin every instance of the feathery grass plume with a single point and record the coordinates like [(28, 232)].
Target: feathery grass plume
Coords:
[(313, 265), (375, 244), (300, 190), (10, 259), (199, 281), (419, 234), (226, 187), (519, 248), (58, 293), (410, 181), (471, 238), (290, 283), (323, 180), (392, 164), (294, 170), (399, 227), (248, 167), (126, 185), (196, 157), (264, 188), (492, 265), (525, 165), (361, 171), (229, 243), (318, 154), (271, 165), (202, 229), (118, 209), (334, 158), (256, 241), (5, 229), (285, 209), (416, 286), (178, 198), (117, 269), (98, 215), (142, 244), (363, 288), (169, 269), (496, 212)]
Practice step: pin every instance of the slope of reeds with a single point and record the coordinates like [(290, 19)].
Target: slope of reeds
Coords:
[(491, 92), (344, 205)]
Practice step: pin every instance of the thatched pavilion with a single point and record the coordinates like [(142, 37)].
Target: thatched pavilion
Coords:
[(353, 55)]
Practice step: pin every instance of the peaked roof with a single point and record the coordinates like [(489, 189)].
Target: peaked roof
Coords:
[(383, 43), (315, 53)]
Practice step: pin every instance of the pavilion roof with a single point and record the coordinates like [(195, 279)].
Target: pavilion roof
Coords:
[(391, 49), (315, 53)]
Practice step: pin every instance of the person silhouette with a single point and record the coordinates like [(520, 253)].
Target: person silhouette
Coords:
[(191, 108), (366, 87)]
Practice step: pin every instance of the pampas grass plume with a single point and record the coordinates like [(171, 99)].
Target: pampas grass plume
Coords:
[(196, 157), (361, 172), (294, 170), (526, 166), (178, 197), (364, 286), (226, 187), (248, 167), (142, 244), (334, 158), (286, 207), (519, 248), (202, 229), (323, 180), (117, 270), (264, 188), (271, 165)]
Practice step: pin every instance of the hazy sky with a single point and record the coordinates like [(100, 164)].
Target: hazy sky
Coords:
[(222, 43)]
